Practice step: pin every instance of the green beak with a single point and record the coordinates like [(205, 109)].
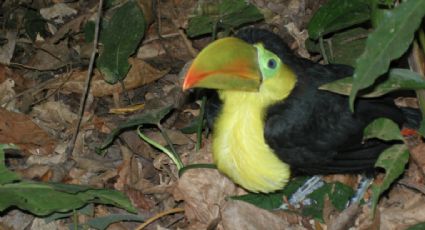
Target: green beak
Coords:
[(228, 63)]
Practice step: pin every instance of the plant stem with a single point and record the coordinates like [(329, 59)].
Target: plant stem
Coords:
[(175, 158), (323, 51), (167, 138)]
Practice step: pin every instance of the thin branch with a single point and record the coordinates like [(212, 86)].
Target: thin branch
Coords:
[(83, 100)]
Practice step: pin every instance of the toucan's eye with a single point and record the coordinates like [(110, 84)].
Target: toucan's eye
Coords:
[(271, 63)]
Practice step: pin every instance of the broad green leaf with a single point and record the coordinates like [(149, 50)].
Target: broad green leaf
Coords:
[(148, 117), (200, 25), (419, 226), (393, 160), (226, 14), (336, 15), (342, 48), (104, 221), (398, 79), (43, 198), (6, 176), (384, 129), (120, 39), (389, 41), (338, 193), (87, 210), (272, 200)]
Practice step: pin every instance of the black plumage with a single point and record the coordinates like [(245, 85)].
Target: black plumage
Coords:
[(313, 130)]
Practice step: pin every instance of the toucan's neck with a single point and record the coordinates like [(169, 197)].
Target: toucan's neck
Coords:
[(239, 148)]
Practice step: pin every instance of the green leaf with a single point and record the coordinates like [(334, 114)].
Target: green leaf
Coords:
[(419, 226), (104, 221), (272, 200), (34, 24), (226, 14), (149, 117), (336, 15), (389, 41), (6, 176), (43, 198), (393, 160), (120, 39), (398, 79), (192, 127), (342, 48), (87, 210), (338, 193), (384, 129), (200, 25)]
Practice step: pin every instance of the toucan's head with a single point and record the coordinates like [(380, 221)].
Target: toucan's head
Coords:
[(233, 64)]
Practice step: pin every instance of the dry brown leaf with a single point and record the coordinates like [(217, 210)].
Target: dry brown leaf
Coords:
[(16, 219), (417, 154), (7, 50), (140, 73), (404, 208), (34, 171), (204, 191), (19, 129), (73, 26), (241, 215), (7, 93), (57, 12), (176, 137), (54, 115), (50, 56)]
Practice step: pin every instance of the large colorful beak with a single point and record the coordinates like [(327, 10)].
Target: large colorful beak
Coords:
[(228, 63)]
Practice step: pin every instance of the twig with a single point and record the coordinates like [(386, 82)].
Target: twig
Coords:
[(170, 35), (167, 138), (159, 215), (71, 145), (346, 218)]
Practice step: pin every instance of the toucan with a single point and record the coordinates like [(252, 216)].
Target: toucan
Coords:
[(271, 119)]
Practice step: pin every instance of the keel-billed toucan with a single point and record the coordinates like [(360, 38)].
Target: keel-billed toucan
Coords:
[(272, 119)]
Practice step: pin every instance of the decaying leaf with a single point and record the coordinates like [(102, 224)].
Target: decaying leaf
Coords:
[(204, 192), (21, 130), (140, 74), (241, 215), (7, 50)]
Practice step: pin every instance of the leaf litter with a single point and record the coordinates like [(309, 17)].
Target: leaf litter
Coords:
[(47, 75)]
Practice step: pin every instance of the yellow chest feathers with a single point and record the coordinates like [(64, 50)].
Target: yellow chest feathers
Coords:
[(239, 148)]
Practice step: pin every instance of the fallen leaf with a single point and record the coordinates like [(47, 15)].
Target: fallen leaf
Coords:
[(57, 12), (417, 154), (404, 208), (19, 129), (241, 215), (204, 191), (54, 115), (140, 73), (7, 93), (7, 50), (176, 137), (50, 56)]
